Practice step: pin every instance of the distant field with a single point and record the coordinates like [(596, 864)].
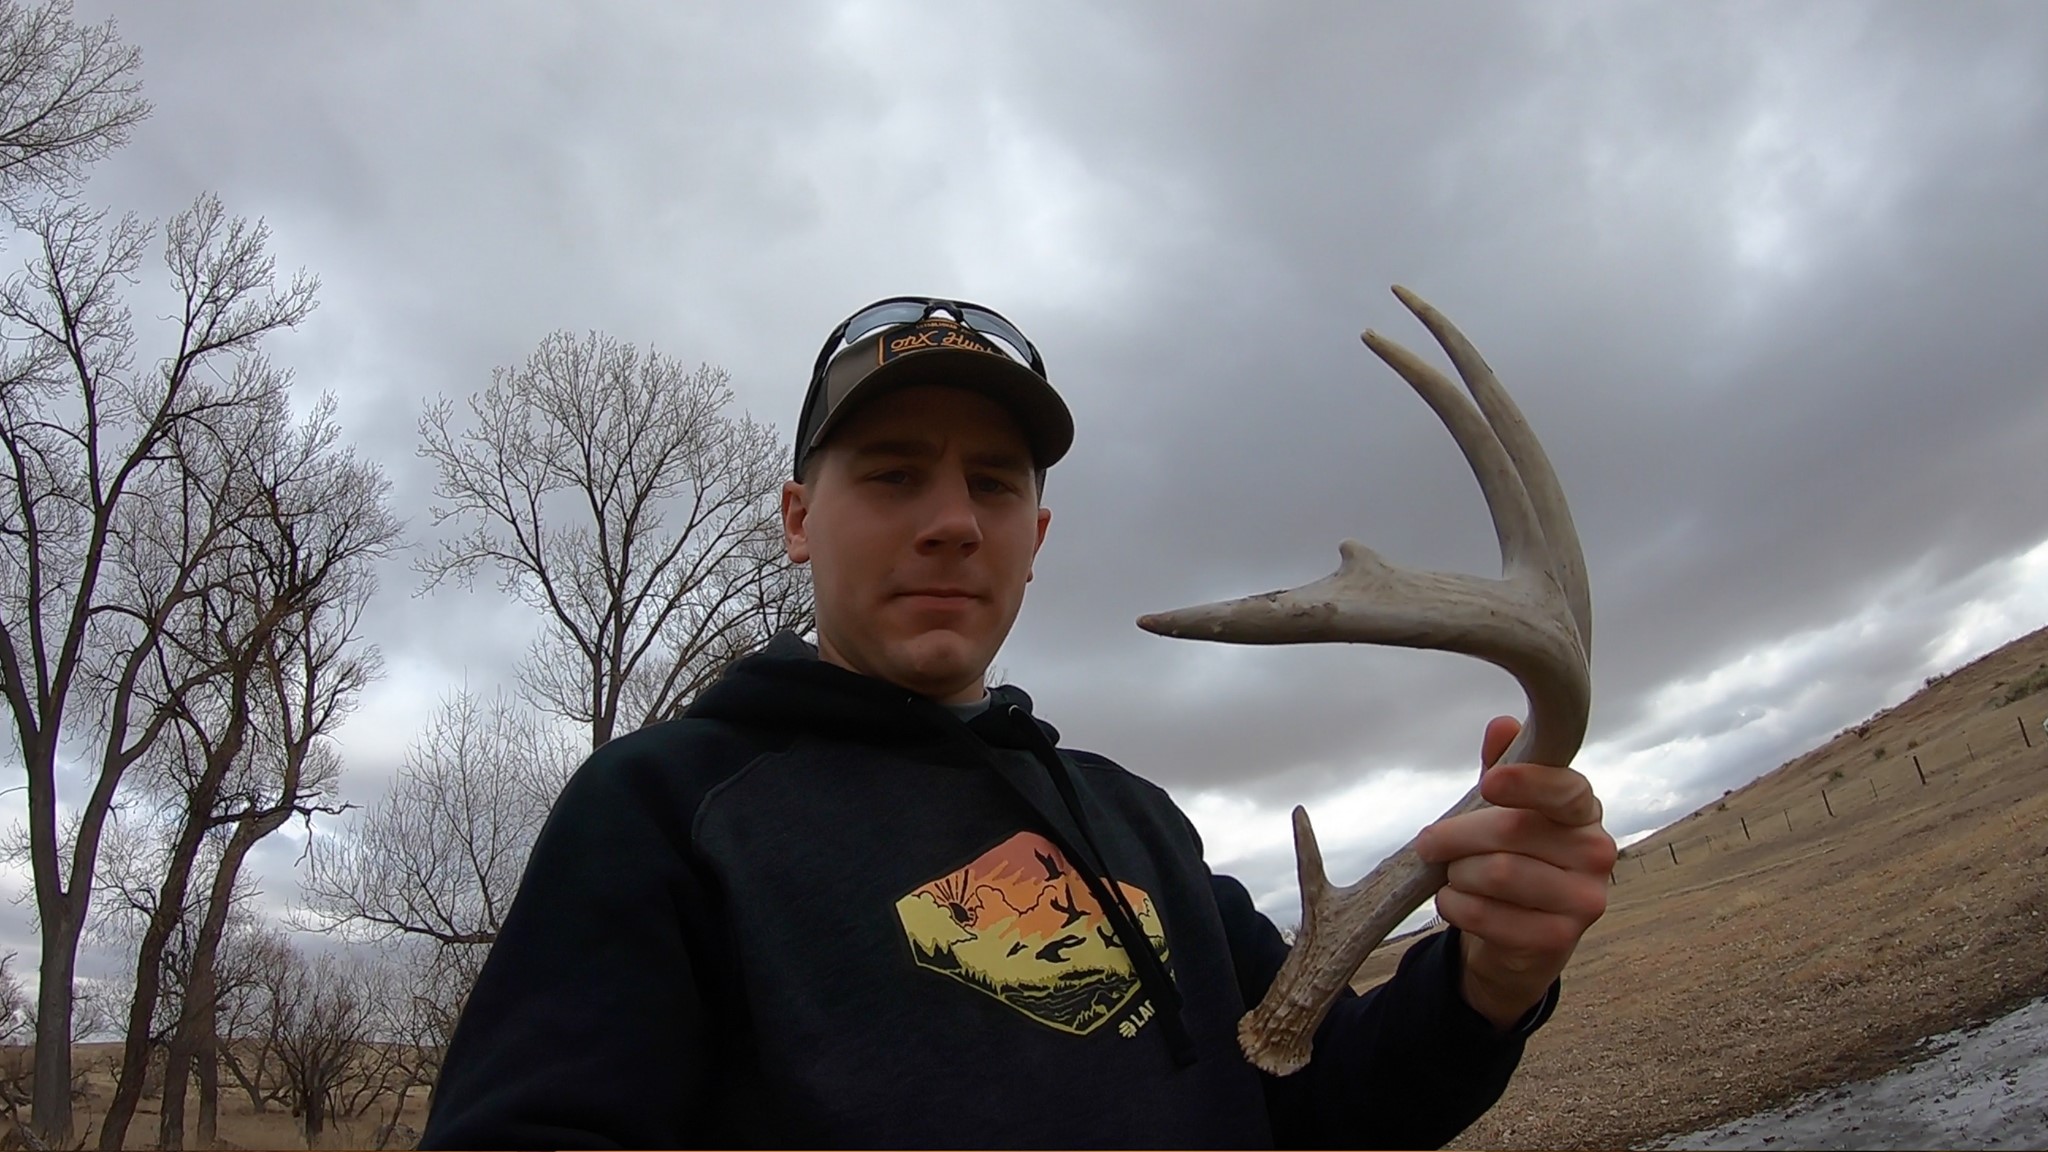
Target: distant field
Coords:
[(240, 1125), (1815, 948)]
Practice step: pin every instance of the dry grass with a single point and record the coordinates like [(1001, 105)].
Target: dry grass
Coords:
[(1815, 949), (240, 1125)]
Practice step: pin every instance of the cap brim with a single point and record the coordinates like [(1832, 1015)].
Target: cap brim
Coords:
[(1039, 411)]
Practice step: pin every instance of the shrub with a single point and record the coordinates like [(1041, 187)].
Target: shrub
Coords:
[(1835, 775), (2027, 685), (1877, 753)]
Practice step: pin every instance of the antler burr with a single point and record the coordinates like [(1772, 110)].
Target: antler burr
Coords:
[(1535, 622)]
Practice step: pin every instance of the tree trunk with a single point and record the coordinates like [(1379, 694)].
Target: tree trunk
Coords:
[(149, 969), (51, 1099), (412, 1078), (316, 1117), (170, 903), (149, 980), (251, 1083), (208, 1058), (170, 1126), (135, 1047), (196, 1016)]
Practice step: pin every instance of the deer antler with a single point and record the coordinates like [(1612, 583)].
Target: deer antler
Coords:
[(1535, 621)]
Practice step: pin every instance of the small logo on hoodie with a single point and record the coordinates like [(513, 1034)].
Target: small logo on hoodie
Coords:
[(1019, 924)]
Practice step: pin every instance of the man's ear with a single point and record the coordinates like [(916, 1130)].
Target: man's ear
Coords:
[(1044, 521), (796, 540)]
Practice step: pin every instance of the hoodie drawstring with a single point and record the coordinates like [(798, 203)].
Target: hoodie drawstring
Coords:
[(1152, 975)]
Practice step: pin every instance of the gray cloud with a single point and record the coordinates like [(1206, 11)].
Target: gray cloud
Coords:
[(1765, 278)]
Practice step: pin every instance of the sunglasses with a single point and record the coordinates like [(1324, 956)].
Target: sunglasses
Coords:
[(898, 310)]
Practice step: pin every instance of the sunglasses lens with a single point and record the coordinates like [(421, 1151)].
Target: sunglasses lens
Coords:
[(881, 316), (892, 312), (989, 324)]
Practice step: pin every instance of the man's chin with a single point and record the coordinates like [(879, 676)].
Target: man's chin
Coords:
[(940, 664)]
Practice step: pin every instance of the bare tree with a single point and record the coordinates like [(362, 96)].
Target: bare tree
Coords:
[(253, 966), (322, 1014), (109, 539), (313, 674), (69, 94), (613, 492), (439, 856), (312, 521), (17, 1013), (420, 1019)]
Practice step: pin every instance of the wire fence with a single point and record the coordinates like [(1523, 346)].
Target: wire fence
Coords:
[(1892, 776)]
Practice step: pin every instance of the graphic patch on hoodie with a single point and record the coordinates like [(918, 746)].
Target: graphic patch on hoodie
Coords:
[(1020, 924)]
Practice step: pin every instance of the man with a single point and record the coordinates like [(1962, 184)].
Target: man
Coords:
[(853, 898)]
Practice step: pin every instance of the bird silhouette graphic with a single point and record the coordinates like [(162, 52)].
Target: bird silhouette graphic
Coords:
[(1051, 952), (1068, 910), (1013, 924)]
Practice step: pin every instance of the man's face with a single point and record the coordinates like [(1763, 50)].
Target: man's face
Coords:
[(920, 521)]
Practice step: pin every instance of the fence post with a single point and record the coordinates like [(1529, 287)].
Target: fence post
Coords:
[(1745, 827), (1970, 750), (2023, 731), (1916, 768), (1674, 851), (1873, 786), (1642, 867), (1824, 800), (1788, 819)]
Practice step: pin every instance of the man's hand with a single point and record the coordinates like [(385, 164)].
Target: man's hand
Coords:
[(1527, 877)]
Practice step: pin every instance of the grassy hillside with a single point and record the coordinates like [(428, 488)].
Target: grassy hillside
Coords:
[(1818, 922)]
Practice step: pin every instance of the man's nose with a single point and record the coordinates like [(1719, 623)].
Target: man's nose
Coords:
[(952, 521)]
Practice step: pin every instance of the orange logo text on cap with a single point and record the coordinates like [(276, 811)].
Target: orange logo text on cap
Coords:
[(931, 334)]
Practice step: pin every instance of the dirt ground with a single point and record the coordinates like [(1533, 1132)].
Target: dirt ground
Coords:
[(1983, 1087), (1802, 941)]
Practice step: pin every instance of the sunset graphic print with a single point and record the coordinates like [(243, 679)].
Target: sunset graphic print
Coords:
[(1019, 924)]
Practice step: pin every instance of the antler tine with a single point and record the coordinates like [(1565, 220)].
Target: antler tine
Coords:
[(1507, 499), (1535, 622), (1532, 463), (1513, 622)]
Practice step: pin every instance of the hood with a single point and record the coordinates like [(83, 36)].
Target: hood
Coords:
[(785, 686)]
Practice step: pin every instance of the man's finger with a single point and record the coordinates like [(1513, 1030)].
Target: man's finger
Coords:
[(1560, 794), (1526, 882), (1510, 926), (1584, 848)]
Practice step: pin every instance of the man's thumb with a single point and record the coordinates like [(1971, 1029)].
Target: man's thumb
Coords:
[(1500, 732)]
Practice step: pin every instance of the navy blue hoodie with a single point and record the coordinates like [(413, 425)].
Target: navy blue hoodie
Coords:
[(821, 910)]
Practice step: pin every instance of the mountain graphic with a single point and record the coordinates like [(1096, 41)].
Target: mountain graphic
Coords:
[(1016, 924)]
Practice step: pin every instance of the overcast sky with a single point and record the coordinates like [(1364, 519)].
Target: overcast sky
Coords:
[(1766, 279)]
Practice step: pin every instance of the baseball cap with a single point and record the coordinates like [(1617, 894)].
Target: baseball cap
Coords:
[(902, 342)]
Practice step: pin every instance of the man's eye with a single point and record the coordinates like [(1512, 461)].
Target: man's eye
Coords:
[(893, 476), (992, 485)]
